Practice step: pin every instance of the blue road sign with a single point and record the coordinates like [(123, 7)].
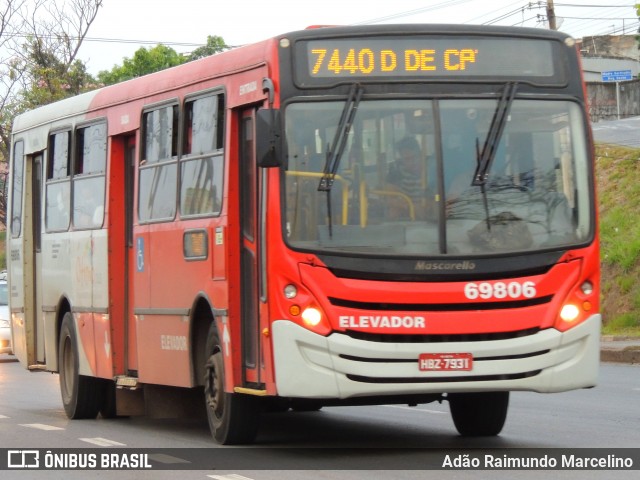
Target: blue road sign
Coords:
[(617, 76)]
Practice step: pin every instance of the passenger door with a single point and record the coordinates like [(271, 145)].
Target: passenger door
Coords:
[(26, 269), (251, 252), (122, 259)]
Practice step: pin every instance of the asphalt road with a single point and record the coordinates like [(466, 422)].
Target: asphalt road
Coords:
[(624, 132), (31, 416)]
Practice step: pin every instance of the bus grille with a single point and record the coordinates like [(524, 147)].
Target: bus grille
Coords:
[(477, 378), (440, 307), (417, 338)]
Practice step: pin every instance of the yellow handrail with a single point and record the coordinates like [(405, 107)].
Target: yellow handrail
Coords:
[(345, 189), (364, 202), (364, 205)]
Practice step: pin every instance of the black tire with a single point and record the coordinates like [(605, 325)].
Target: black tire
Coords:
[(82, 396), (108, 408), (480, 414), (233, 418)]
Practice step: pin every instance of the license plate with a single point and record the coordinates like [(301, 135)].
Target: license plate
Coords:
[(445, 362)]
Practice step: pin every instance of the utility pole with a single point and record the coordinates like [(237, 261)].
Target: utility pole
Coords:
[(551, 15)]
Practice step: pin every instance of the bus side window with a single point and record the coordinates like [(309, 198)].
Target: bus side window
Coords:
[(17, 171), (89, 176), (201, 165), (58, 201), (158, 166)]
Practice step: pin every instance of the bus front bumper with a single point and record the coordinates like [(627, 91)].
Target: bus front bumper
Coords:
[(308, 365)]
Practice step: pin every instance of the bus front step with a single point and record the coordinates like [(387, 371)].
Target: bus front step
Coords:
[(127, 382)]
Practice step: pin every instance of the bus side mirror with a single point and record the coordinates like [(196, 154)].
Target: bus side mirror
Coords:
[(268, 138)]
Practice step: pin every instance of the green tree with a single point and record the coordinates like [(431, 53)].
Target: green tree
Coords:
[(214, 45), (153, 59), (144, 61), (39, 44), (49, 79)]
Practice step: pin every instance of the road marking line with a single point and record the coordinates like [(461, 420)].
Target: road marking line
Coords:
[(168, 459), (3, 416), (40, 426), (103, 442), (425, 410), (231, 476)]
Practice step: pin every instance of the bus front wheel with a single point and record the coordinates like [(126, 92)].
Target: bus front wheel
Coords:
[(233, 418), (81, 395), (479, 414)]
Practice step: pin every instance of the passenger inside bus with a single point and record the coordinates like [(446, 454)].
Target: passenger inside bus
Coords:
[(407, 177)]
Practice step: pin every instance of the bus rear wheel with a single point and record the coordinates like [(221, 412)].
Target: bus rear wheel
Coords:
[(233, 418), (81, 395), (480, 414)]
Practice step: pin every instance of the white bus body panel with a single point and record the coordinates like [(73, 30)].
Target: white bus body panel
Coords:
[(38, 280), (312, 366)]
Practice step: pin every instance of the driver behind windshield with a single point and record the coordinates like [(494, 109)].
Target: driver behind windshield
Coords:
[(409, 195)]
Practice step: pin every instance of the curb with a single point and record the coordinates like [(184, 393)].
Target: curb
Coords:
[(624, 355), (620, 349)]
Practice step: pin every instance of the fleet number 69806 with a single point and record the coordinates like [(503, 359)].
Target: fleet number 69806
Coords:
[(486, 290)]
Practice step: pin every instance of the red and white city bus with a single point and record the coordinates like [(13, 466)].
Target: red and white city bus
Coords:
[(335, 216)]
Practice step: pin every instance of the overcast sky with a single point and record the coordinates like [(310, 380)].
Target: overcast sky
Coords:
[(121, 25)]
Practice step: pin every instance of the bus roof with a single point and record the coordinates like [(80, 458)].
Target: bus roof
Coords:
[(145, 87)]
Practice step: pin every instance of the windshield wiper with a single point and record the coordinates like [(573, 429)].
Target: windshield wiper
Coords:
[(485, 157), (491, 143), (334, 153)]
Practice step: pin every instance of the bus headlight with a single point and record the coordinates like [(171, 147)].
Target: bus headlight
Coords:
[(578, 306), (304, 310), (587, 288), (569, 313), (311, 316), (290, 291)]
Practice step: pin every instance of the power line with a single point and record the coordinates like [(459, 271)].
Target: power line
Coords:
[(114, 40), (448, 3), (505, 16), (598, 18), (594, 6), (574, 24), (519, 2), (505, 13), (530, 5)]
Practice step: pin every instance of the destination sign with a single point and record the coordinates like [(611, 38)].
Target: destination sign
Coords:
[(424, 57)]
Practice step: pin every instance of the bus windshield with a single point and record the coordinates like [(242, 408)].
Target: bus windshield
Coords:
[(404, 183)]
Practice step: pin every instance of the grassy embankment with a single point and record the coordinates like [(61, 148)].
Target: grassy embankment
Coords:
[(618, 177), (618, 174)]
